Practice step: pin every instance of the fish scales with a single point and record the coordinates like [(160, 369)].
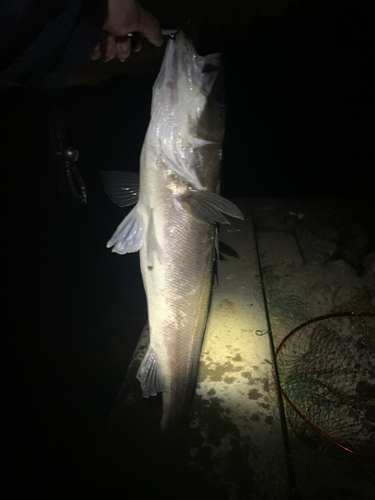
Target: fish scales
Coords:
[(174, 223), (178, 288)]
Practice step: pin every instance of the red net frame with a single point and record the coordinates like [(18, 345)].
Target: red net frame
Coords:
[(285, 396)]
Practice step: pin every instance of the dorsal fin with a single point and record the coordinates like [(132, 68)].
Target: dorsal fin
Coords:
[(121, 187)]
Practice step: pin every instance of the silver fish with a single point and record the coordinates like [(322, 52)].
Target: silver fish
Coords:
[(174, 221)]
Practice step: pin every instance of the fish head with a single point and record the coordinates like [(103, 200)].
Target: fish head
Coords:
[(182, 107)]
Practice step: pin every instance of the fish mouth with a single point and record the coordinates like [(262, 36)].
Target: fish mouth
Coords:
[(183, 67), (172, 32)]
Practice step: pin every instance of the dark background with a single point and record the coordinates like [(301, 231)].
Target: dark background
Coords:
[(299, 95)]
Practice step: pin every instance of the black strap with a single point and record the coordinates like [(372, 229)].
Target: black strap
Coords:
[(64, 158)]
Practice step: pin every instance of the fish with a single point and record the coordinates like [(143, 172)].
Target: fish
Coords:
[(174, 222)]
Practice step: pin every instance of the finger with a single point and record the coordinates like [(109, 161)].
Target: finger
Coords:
[(123, 45), (108, 47), (95, 53), (138, 47), (149, 27)]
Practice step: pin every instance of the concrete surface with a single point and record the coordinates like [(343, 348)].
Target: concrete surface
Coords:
[(233, 448)]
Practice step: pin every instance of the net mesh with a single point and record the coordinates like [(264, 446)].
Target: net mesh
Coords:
[(327, 374)]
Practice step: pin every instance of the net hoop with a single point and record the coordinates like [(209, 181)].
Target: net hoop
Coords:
[(294, 408)]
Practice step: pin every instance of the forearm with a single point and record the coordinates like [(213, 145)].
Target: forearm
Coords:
[(39, 35), (45, 40)]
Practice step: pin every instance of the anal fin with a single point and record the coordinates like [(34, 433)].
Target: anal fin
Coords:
[(128, 236)]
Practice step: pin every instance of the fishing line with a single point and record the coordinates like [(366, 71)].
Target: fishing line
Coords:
[(294, 495)]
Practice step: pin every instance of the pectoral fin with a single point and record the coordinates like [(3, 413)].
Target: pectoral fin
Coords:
[(121, 187), (149, 375), (128, 236), (208, 207)]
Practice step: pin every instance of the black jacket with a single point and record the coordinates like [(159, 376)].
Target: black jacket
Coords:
[(43, 41)]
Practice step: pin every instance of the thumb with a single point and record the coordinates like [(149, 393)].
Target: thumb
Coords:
[(149, 28)]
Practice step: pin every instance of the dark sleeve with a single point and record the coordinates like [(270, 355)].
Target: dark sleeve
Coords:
[(43, 41)]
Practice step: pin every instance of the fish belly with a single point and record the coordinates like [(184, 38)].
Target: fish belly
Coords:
[(178, 288)]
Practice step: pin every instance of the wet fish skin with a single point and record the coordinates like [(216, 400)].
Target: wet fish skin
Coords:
[(174, 222)]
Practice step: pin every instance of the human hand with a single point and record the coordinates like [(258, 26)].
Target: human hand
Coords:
[(123, 18)]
